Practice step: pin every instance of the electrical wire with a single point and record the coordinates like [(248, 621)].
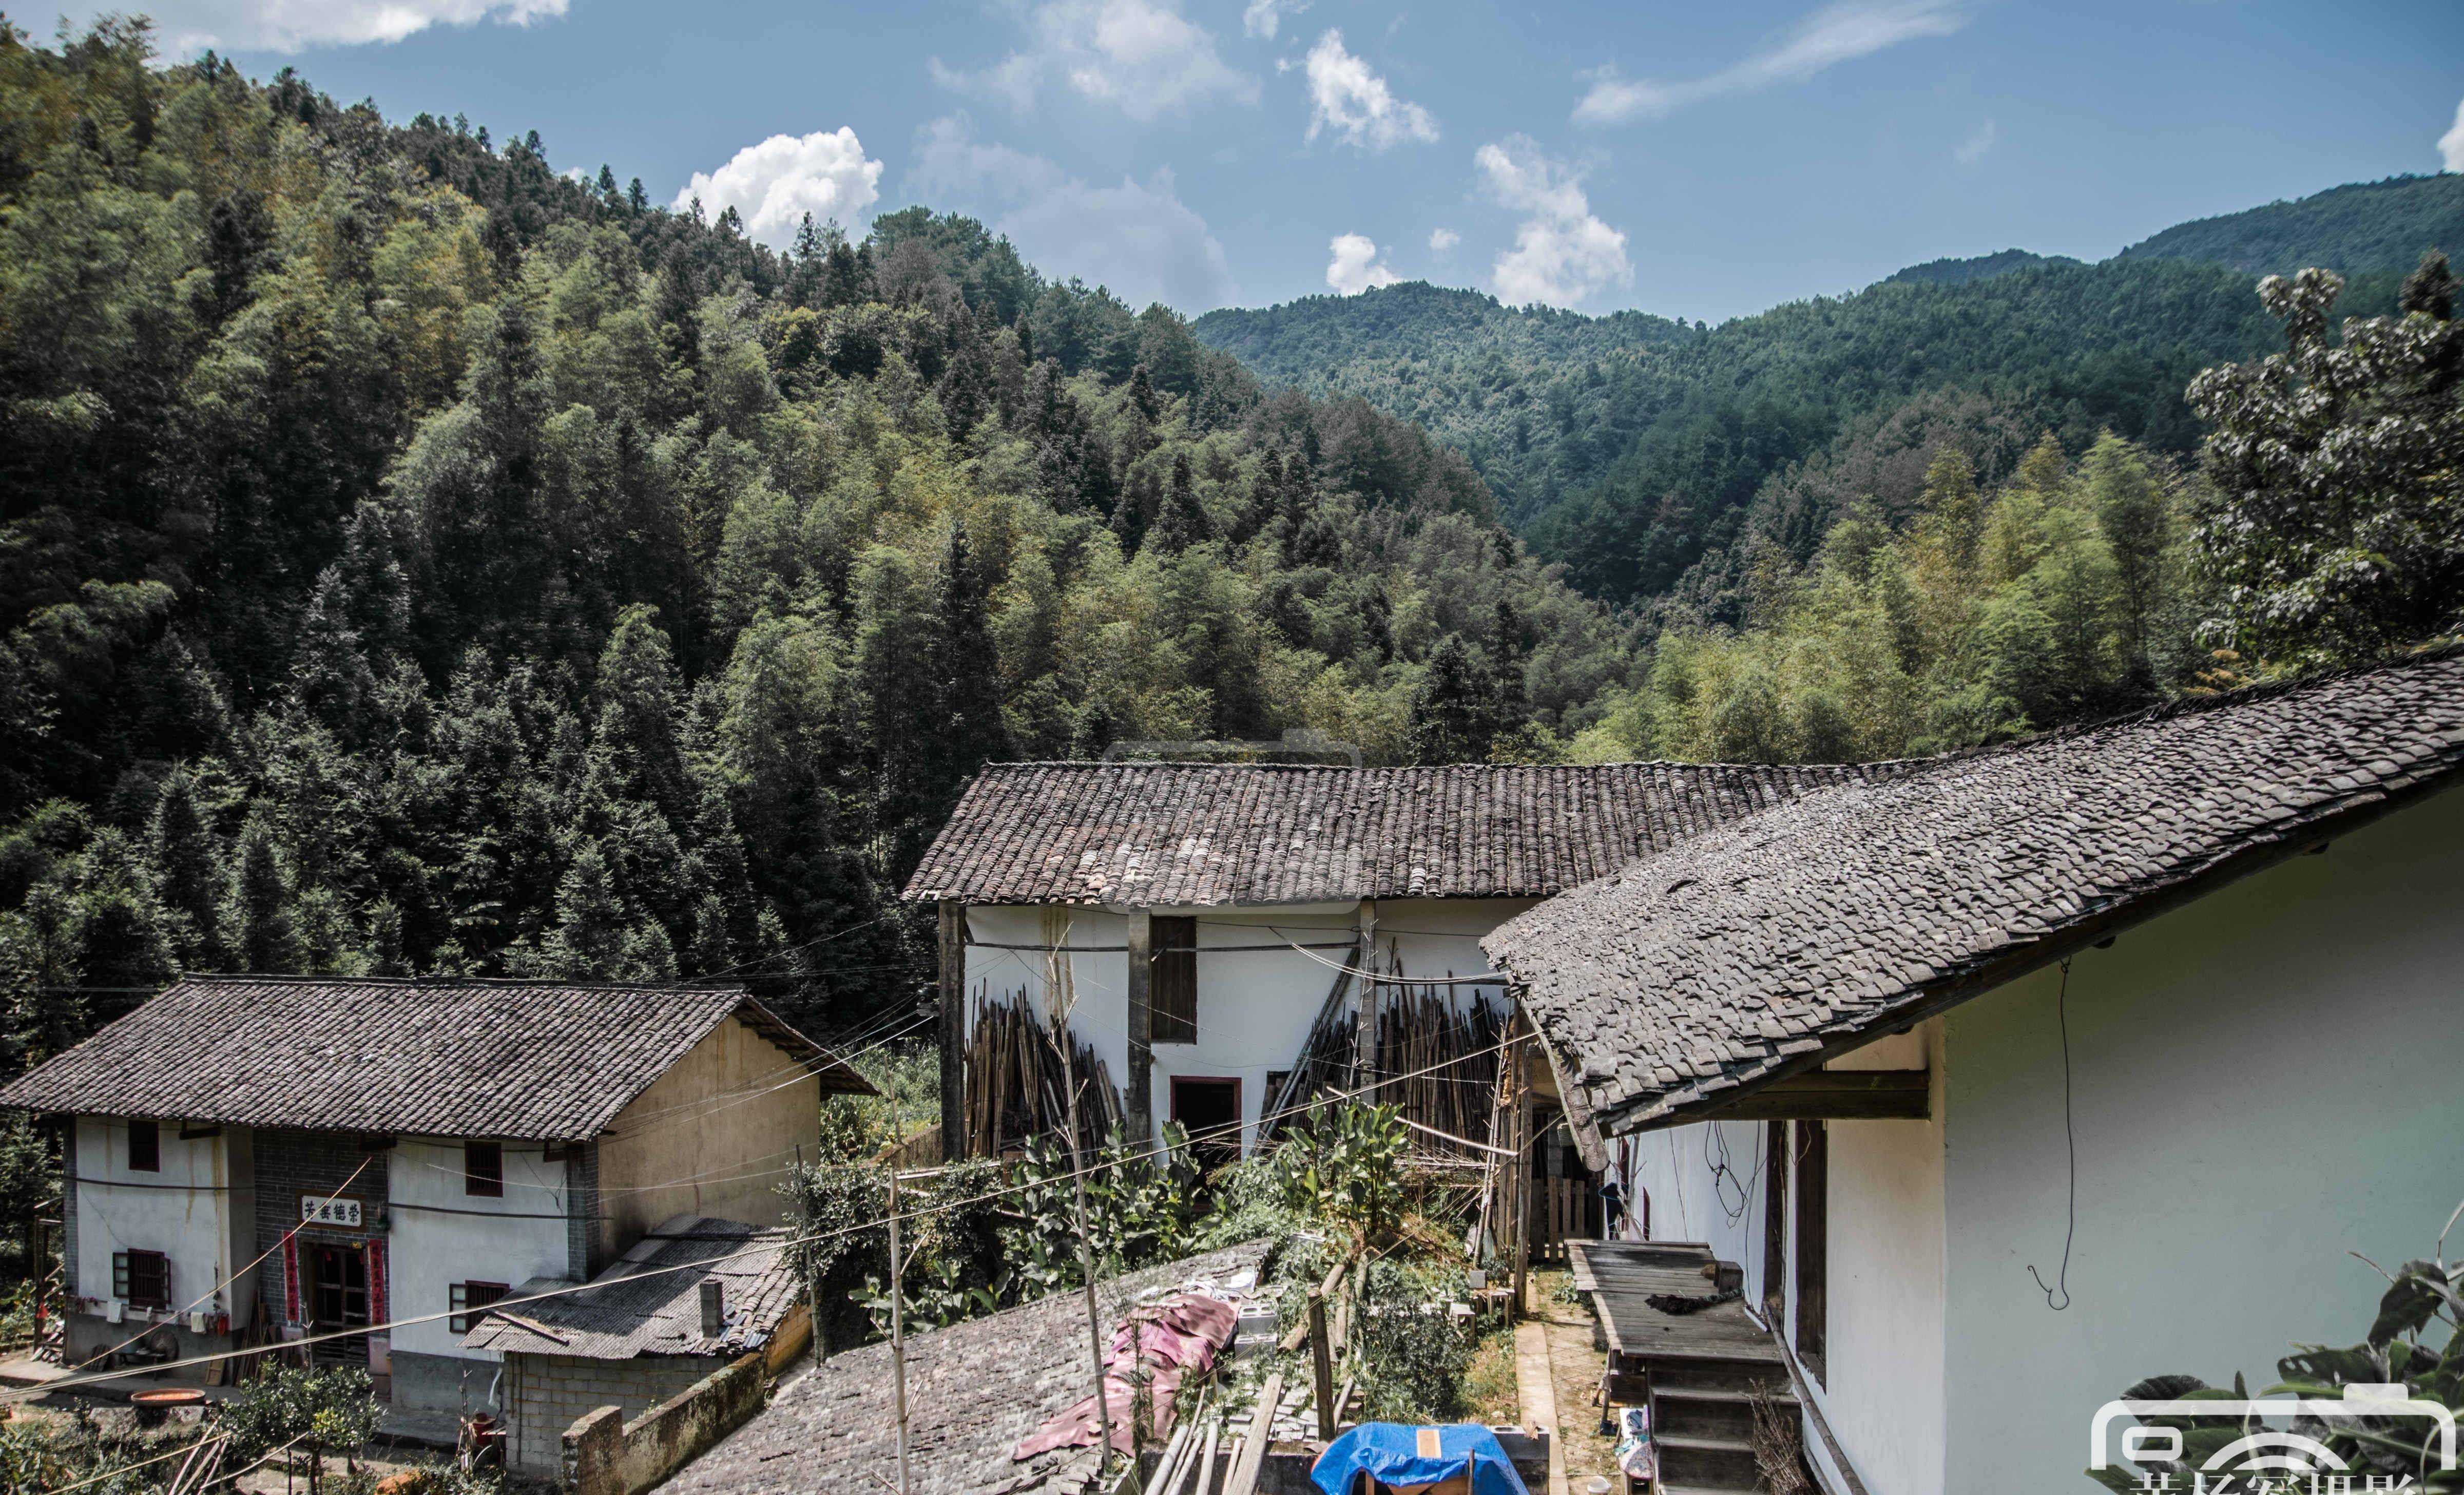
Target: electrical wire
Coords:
[(361, 1330), (2070, 1141)]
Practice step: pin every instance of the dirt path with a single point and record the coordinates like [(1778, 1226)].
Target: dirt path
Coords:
[(1573, 1369)]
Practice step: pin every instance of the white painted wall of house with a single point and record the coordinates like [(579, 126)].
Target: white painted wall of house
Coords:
[(481, 1240), (189, 1210), (1254, 1008), (2253, 1098)]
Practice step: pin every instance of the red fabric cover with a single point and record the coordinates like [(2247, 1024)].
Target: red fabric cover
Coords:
[(1171, 1338)]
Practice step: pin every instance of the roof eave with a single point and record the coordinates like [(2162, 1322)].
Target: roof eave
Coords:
[(1654, 1111)]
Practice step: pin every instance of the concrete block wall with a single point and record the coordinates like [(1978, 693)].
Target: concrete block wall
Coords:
[(545, 1393), (603, 1453)]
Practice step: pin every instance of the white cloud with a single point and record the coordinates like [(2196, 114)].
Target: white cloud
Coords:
[(1356, 103), (1138, 238), (1836, 33), (1142, 56), (186, 27), (1354, 268), (774, 183), (2451, 145), (1979, 142), (1443, 239), (1265, 17), (1563, 255)]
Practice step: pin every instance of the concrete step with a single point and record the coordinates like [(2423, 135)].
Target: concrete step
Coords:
[(1711, 1373), (1720, 1463), (1684, 1410)]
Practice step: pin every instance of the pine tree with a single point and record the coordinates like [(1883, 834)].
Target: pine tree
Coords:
[(1454, 711), (184, 857), (1180, 519), (2131, 507), (257, 919), (967, 674), (588, 944)]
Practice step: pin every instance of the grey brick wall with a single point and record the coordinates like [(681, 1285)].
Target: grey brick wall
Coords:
[(291, 1163), (544, 1394), (581, 1255)]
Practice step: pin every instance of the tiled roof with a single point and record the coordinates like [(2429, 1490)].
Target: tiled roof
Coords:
[(1758, 950), (1189, 834), (974, 1390), (486, 1059), (643, 1304)]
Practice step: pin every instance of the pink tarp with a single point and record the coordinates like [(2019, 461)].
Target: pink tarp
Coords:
[(1181, 1334)]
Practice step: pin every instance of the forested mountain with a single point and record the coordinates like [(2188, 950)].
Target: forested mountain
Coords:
[(412, 559), (2359, 229), (1980, 267), (1644, 462)]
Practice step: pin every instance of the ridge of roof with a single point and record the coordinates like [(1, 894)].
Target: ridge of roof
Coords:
[(1686, 979)]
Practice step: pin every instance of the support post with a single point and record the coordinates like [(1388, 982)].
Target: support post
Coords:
[(1364, 1031), (1139, 1102), (954, 1031), (1521, 1163), (1321, 1366), (897, 1329)]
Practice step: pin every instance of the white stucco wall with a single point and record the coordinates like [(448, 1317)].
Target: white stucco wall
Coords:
[(191, 1211), (1254, 1006), (2263, 1082), (1881, 1391), (462, 1237)]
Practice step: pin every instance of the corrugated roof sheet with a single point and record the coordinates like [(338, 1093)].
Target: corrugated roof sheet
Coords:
[(648, 1300), (1751, 952), (489, 1058), (1211, 834)]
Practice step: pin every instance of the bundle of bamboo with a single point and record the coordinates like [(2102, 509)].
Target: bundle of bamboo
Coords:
[(1442, 1058), (1018, 1080)]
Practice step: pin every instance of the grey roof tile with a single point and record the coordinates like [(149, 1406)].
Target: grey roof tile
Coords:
[(526, 1060), (643, 1304), (1193, 834), (1870, 896)]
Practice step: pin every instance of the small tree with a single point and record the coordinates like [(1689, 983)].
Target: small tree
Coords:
[(2335, 530), (322, 1411)]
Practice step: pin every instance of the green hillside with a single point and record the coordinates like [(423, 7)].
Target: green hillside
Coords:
[(1630, 447), (2359, 229)]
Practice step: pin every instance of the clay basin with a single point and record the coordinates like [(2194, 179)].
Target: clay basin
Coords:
[(153, 1406)]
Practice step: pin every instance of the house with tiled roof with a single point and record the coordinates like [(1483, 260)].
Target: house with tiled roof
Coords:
[(2017, 1078), (366, 1164), (1204, 924)]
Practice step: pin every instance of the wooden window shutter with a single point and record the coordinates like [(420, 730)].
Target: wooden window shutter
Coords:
[(1172, 994), (1774, 1220), (1813, 1241)]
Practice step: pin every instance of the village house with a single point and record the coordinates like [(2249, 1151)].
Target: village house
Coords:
[(259, 1158), (688, 1300), (1201, 922), (2016, 1079)]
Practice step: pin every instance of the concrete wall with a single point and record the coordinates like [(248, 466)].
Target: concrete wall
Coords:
[(1254, 1006), (605, 1455), (440, 1235), (546, 1394), (197, 1210), (2263, 1082), (714, 1136)]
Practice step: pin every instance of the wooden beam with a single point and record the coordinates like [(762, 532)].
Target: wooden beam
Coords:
[(1834, 1095), (1364, 1020), (954, 1031), (1139, 1102)]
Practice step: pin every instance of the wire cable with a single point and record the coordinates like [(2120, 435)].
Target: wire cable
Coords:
[(2070, 1141)]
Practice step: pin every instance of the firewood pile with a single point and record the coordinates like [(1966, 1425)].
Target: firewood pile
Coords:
[(1017, 1083)]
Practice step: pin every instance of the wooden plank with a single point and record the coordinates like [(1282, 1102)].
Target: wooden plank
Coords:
[(1139, 1103), (1242, 1479), (1835, 1095), (954, 1029)]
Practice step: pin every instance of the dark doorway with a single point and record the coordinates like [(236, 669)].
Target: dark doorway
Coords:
[(1812, 1242), (1210, 1110), (337, 1283)]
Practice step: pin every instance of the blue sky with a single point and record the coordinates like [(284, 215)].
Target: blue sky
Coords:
[(1700, 161)]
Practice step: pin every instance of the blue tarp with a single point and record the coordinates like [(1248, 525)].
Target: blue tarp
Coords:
[(1393, 1454)]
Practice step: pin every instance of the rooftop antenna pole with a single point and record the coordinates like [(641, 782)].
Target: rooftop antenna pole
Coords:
[(897, 1327)]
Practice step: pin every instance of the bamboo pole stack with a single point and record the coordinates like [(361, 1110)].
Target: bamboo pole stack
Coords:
[(1016, 1086)]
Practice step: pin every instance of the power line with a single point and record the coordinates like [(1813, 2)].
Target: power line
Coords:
[(361, 1330)]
